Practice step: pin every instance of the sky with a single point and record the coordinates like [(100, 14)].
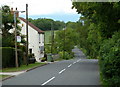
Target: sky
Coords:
[(53, 9)]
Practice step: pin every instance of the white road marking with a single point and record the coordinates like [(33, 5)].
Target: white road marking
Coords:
[(62, 71), (78, 60), (48, 81), (74, 62), (70, 65)]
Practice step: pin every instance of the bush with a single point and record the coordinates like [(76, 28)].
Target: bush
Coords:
[(8, 57), (31, 58), (43, 59), (67, 55), (110, 61)]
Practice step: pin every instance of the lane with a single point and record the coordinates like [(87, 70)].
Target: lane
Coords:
[(39, 75), (78, 71), (85, 72)]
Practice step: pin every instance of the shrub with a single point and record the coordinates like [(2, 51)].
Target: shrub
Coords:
[(8, 57), (110, 61), (43, 59), (31, 58), (67, 55)]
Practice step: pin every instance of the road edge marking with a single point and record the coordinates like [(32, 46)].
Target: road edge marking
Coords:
[(78, 60)]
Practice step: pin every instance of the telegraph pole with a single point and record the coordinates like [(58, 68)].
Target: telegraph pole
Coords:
[(16, 54), (27, 33), (15, 24)]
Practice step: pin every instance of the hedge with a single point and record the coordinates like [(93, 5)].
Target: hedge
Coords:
[(8, 57), (110, 61)]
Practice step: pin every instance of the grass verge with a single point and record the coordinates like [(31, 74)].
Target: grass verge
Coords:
[(22, 67), (3, 76)]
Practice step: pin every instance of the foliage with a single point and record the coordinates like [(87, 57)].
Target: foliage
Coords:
[(110, 60), (8, 38), (99, 13), (48, 48), (8, 41), (7, 20), (99, 36), (31, 55), (65, 55), (45, 24), (43, 59), (8, 57), (64, 40)]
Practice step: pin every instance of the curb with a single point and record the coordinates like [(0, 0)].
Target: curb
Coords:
[(7, 78), (36, 67), (25, 71)]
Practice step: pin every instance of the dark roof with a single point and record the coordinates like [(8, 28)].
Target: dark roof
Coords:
[(33, 26)]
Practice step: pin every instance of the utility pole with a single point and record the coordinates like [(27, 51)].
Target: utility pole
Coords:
[(16, 54), (15, 24), (27, 33)]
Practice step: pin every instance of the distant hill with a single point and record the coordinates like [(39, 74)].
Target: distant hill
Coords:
[(46, 24)]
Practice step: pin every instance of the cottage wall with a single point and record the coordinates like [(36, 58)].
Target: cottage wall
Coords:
[(36, 40)]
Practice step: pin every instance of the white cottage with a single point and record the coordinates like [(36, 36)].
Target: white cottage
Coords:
[(35, 39)]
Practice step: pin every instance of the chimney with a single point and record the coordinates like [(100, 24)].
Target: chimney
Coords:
[(11, 11), (17, 14)]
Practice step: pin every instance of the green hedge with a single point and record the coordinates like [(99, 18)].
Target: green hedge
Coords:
[(110, 61), (8, 57)]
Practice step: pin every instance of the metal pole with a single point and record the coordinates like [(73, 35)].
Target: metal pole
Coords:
[(16, 54), (27, 33)]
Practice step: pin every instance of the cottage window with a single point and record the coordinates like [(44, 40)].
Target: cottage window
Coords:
[(41, 49), (39, 38), (30, 50)]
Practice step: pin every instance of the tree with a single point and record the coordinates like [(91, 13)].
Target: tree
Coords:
[(105, 16), (101, 30), (8, 38), (45, 24), (7, 20), (65, 37)]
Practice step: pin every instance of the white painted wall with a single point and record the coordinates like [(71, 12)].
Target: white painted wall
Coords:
[(34, 38)]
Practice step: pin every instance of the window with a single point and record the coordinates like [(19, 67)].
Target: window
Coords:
[(30, 50), (39, 38), (43, 38), (41, 49)]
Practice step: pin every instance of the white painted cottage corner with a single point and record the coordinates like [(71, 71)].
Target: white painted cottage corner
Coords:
[(35, 38)]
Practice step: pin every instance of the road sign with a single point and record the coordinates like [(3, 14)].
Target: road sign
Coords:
[(18, 38)]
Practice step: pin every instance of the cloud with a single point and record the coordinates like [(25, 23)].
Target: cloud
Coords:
[(42, 7)]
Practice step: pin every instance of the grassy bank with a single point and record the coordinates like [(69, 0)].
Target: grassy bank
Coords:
[(3, 76), (22, 67)]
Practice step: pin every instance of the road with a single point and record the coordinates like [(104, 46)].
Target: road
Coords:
[(77, 71)]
